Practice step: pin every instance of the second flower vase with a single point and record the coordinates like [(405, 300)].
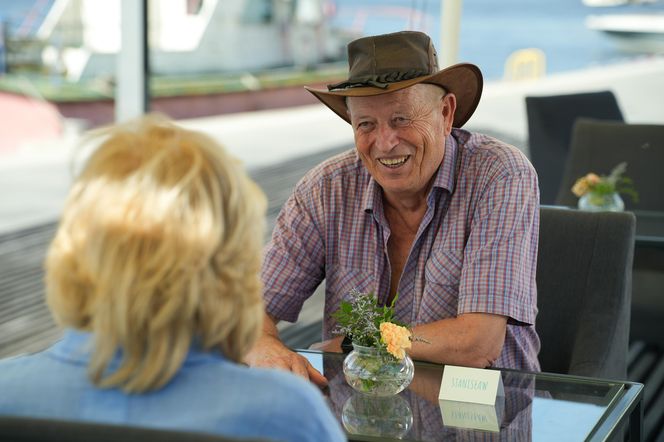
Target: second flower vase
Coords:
[(594, 202)]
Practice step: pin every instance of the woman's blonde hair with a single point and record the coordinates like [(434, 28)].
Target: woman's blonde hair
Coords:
[(159, 245)]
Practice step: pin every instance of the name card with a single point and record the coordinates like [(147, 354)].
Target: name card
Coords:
[(474, 416), (476, 385)]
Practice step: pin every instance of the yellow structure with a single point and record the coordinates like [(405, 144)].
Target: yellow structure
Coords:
[(525, 64)]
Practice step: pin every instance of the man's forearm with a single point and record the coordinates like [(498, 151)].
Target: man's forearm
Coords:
[(270, 326), (473, 340)]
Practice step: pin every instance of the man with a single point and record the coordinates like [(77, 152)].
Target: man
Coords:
[(447, 219)]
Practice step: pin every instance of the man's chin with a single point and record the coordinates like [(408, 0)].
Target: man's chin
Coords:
[(396, 187)]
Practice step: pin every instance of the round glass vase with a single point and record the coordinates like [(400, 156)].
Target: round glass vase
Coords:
[(595, 202), (375, 372)]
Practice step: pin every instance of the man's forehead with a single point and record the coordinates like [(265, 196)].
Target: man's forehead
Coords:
[(410, 98), (398, 98)]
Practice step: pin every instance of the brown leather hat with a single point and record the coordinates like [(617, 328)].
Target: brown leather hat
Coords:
[(386, 63)]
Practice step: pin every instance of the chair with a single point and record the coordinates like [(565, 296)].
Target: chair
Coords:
[(598, 146), (584, 291), (27, 429), (550, 122)]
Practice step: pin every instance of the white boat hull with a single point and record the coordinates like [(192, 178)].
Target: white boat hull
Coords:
[(641, 33)]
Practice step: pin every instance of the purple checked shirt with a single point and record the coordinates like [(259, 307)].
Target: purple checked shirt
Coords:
[(475, 250)]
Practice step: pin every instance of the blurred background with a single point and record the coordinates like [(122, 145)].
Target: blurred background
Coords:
[(59, 58), (236, 70)]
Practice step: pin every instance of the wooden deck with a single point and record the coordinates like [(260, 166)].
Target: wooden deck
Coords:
[(26, 325)]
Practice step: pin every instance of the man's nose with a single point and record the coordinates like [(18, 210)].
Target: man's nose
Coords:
[(386, 138)]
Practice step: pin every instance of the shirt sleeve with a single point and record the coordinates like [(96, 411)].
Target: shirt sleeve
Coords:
[(500, 257), (294, 259)]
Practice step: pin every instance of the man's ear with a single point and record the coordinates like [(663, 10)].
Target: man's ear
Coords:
[(347, 108), (449, 107)]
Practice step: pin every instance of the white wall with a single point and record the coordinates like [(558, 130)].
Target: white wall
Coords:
[(638, 86)]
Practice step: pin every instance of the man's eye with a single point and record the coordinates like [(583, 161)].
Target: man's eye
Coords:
[(364, 125), (401, 121)]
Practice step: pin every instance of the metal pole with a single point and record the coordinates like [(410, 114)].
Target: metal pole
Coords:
[(4, 47), (450, 24), (132, 94), (146, 57)]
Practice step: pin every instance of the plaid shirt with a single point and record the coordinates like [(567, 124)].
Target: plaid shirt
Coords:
[(475, 250)]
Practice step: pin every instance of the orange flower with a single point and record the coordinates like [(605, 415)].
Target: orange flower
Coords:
[(581, 186), (585, 184), (396, 338)]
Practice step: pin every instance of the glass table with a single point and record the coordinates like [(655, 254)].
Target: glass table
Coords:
[(649, 228), (536, 406)]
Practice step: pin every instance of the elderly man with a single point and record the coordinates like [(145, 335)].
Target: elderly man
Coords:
[(446, 218)]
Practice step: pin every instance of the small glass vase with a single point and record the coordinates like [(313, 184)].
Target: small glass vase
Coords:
[(375, 372), (594, 202)]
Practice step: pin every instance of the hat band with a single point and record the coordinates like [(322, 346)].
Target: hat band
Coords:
[(381, 81)]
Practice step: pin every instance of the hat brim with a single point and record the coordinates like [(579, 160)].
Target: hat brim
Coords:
[(464, 80)]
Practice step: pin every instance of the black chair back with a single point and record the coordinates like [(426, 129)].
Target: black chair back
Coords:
[(550, 122), (27, 429), (584, 269), (598, 146)]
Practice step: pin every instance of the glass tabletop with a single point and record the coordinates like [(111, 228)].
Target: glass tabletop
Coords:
[(649, 227), (536, 406)]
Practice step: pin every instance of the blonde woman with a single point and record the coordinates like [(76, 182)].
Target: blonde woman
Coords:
[(154, 274)]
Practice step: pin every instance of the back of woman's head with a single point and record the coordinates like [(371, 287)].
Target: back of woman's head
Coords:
[(158, 246)]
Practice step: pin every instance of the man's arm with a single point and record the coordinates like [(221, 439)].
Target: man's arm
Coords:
[(270, 352), (497, 282), (292, 269), (470, 340)]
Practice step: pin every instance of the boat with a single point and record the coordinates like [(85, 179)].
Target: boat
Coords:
[(634, 33), (611, 3), (82, 37), (205, 57)]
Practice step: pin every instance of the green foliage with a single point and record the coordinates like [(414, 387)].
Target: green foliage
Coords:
[(360, 318), (615, 182)]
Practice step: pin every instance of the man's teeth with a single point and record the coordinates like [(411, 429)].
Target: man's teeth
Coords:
[(393, 161)]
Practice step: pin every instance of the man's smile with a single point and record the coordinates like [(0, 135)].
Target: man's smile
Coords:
[(395, 162)]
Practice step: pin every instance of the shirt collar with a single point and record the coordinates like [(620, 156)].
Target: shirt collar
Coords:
[(373, 195), (444, 177), (75, 346)]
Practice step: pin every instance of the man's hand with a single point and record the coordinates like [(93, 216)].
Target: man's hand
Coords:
[(270, 352)]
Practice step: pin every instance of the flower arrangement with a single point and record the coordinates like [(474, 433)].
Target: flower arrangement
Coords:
[(378, 364), (371, 325), (599, 187)]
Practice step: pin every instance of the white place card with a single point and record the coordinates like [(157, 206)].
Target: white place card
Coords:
[(475, 385)]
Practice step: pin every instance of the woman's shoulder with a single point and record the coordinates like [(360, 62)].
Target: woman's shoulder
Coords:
[(283, 386), (247, 383), (280, 401)]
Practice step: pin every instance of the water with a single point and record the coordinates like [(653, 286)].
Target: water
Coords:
[(491, 30)]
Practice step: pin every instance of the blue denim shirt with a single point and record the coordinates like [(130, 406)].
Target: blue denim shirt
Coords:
[(209, 394)]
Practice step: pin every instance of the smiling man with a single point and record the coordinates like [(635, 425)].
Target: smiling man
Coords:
[(446, 218)]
